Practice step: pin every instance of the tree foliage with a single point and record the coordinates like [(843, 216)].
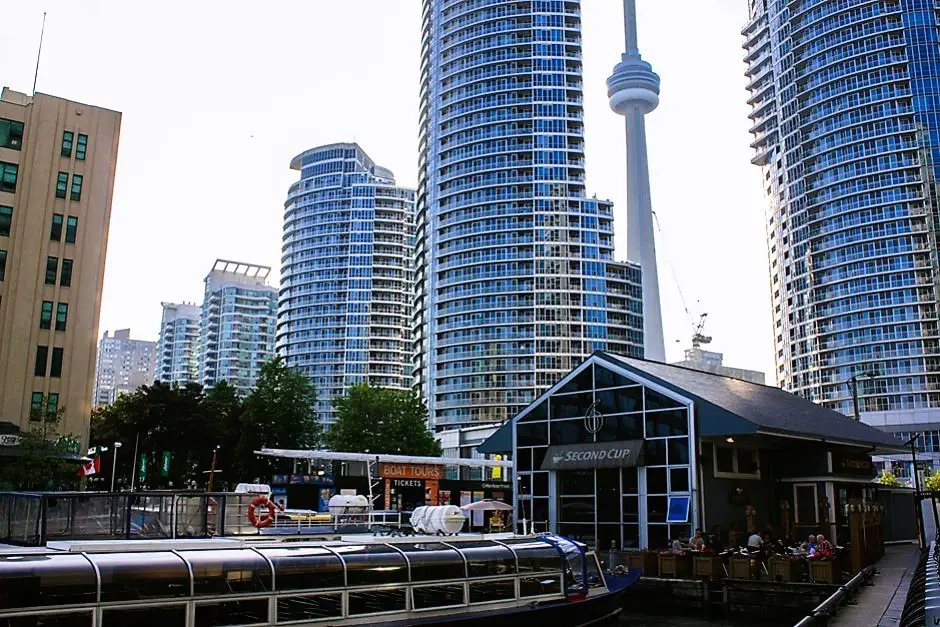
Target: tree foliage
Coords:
[(42, 460), (889, 479), (932, 482), (191, 424), (381, 420)]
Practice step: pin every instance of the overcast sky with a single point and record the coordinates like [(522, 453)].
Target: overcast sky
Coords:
[(217, 97)]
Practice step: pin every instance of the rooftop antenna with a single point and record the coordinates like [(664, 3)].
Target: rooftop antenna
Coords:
[(39, 54)]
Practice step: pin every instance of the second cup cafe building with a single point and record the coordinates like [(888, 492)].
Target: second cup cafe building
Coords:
[(632, 453)]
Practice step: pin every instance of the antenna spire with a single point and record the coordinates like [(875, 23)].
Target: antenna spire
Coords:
[(39, 54)]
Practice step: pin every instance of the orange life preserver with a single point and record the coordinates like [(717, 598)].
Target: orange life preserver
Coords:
[(264, 521)]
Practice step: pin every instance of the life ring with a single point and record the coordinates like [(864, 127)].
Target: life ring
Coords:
[(263, 521)]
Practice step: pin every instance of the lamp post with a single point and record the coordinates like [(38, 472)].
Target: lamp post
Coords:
[(117, 445), (852, 382), (215, 453), (918, 512)]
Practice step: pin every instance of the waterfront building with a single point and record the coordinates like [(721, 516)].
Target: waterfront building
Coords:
[(847, 135), (178, 346), (515, 276), (633, 90), (57, 167), (236, 331), (123, 366), (344, 315), (632, 453)]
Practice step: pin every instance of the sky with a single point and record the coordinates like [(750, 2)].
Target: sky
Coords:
[(217, 97)]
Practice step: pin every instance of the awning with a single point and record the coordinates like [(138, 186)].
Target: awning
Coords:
[(498, 443)]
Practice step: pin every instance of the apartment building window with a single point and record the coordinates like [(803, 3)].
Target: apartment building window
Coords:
[(67, 137), (3, 264), (61, 184), (8, 172), (61, 316), (71, 227), (36, 406), (52, 268), (76, 187), (55, 233), (52, 404), (66, 279), (11, 134), (45, 315), (81, 147), (55, 368), (6, 220), (42, 356)]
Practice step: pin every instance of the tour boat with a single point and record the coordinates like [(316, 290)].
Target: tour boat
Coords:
[(493, 579)]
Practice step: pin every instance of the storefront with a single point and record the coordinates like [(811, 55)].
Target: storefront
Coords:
[(632, 453)]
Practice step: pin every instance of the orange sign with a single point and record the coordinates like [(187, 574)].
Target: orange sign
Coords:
[(411, 471)]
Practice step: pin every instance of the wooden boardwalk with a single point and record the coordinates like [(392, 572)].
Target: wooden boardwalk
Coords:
[(880, 605)]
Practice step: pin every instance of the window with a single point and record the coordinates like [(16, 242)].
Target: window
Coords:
[(3, 264), (36, 405), (52, 405), (81, 147), (71, 227), (42, 357), (52, 267), (804, 496), (6, 219), (45, 315), (55, 233), (76, 187), (55, 368), (8, 173), (61, 184), (67, 137), (66, 279), (11, 134), (736, 463), (61, 316)]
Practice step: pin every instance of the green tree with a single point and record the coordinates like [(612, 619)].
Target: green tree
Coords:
[(279, 413), (44, 460), (932, 482), (887, 478), (381, 420)]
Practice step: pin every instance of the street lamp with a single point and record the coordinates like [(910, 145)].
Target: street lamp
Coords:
[(853, 385), (117, 445)]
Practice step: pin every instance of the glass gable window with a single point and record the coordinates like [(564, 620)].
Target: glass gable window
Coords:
[(305, 568), (11, 134), (46, 580), (373, 565), (125, 578), (228, 572), (433, 561)]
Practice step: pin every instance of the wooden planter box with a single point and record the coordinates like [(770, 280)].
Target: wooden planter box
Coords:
[(707, 567), (824, 571), (646, 561), (784, 568), (675, 565), (743, 568)]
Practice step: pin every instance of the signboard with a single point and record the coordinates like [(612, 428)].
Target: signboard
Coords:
[(407, 483), (311, 479), (594, 455), (851, 464), (678, 511), (165, 464), (411, 471), (10, 440)]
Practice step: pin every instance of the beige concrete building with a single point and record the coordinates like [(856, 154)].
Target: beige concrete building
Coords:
[(123, 366), (57, 165)]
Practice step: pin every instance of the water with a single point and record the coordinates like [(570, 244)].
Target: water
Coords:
[(647, 619)]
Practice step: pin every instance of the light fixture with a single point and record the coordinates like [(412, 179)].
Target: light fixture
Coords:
[(729, 440)]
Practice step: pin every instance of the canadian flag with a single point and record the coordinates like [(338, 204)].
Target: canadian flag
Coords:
[(90, 468)]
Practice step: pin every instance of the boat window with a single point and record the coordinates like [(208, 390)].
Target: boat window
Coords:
[(595, 574), (133, 576), (433, 561), (38, 580), (290, 609), (489, 591), (369, 565), (536, 586), (70, 619), (374, 601), (173, 616), (228, 571), (535, 556), (304, 568), (437, 596), (486, 559), (247, 612)]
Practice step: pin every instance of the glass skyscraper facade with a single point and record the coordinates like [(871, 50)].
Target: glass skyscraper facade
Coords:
[(515, 277), (343, 313), (178, 346), (845, 96)]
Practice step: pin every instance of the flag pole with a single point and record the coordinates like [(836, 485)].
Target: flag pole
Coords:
[(134, 471), (39, 54)]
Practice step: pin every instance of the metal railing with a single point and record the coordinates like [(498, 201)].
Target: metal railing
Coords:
[(825, 610), (922, 606)]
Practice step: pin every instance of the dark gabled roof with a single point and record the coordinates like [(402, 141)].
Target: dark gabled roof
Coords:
[(765, 409), (727, 406)]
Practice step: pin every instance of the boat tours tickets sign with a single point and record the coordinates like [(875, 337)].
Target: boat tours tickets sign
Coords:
[(411, 471), (594, 455)]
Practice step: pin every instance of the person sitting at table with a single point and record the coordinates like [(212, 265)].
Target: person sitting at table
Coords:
[(713, 540), (754, 542), (676, 546), (809, 546), (824, 548), (697, 543)]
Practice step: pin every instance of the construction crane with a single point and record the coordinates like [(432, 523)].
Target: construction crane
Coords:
[(698, 337)]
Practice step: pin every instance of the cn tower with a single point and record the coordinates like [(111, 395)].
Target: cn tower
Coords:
[(633, 90)]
